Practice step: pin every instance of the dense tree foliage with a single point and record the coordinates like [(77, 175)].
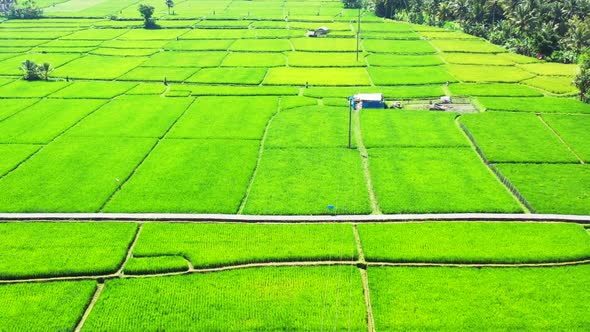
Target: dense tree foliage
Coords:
[(583, 78), (147, 12), (28, 9), (33, 71), (557, 30)]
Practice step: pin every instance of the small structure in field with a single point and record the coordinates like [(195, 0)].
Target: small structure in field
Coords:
[(368, 100), (319, 32)]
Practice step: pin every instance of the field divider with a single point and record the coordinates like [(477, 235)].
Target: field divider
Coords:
[(145, 157), (503, 179), (130, 250), (540, 117), (375, 208), (89, 308), (258, 158), (367, 296), (101, 278)]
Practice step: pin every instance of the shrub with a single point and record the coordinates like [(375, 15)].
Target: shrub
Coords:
[(147, 12), (27, 10), (33, 71)]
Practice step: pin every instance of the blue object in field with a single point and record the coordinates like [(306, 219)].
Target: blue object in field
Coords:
[(330, 207), (373, 104), (351, 101)]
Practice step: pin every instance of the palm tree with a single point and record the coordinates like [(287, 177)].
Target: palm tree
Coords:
[(169, 4)]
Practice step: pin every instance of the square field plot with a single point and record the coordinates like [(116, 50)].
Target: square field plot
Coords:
[(447, 299), (309, 126), (398, 46), (410, 129), (133, 116), (9, 107), (516, 137), (479, 74), (307, 181), (90, 90), (477, 59), (251, 76), (35, 89), (185, 59), (551, 69), (47, 306), (199, 45), (72, 175), (539, 105), (324, 44), (12, 65), (552, 188), (98, 67), (410, 75), (431, 180), (467, 46), (192, 176), (276, 299), (14, 154), (232, 90), (62, 248), (134, 44), (124, 51), (161, 34), (306, 59), (96, 34), (317, 76), (245, 59), (573, 129), (478, 242), (226, 117), (202, 244), (493, 90), (45, 120), (553, 84), (396, 60), (155, 74), (261, 45)]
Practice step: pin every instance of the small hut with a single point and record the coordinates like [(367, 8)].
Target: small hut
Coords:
[(319, 32), (368, 100)]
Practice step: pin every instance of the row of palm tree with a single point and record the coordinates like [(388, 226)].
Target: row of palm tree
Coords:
[(557, 30)]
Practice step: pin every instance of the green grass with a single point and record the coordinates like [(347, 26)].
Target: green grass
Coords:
[(477, 59), (297, 101), (315, 178), (11, 66), (382, 128), (252, 76), (324, 44), (396, 60), (516, 137), (215, 34), (480, 74), (299, 127), (261, 45), (199, 45), (447, 299), (410, 75), (228, 90), (493, 90), (154, 74), (474, 242), (553, 84), (98, 67), (14, 154), (33, 250), (236, 59), (573, 129), (161, 34), (95, 34), (398, 46), (26, 89), (50, 306), (185, 59), (552, 188), (278, 299), (540, 105), (132, 44), (45, 120), (133, 116), (551, 69), (147, 89), (215, 182), (317, 59), (213, 245), (317, 76), (91, 90), (226, 117), (13, 106), (153, 265), (434, 180), (140, 52), (72, 175), (466, 46), (389, 92)]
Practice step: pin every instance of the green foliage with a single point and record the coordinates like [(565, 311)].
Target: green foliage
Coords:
[(279, 299), (452, 299), (552, 188), (316, 178), (30, 250), (538, 105), (582, 80), (55, 306), (27, 10), (431, 180), (516, 137), (32, 71), (410, 129), (147, 12), (212, 245), (475, 242), (216, 183), (84, 172), (156, 264)]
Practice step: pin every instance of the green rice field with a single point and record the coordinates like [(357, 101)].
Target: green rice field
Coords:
[(218, 178)]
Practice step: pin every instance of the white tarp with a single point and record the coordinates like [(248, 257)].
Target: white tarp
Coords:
[(369, 96)]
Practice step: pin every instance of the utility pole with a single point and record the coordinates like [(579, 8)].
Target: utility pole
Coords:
[(358, 34), (350, 102)]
